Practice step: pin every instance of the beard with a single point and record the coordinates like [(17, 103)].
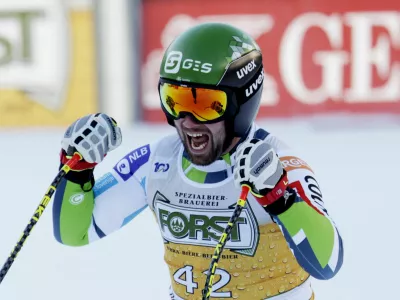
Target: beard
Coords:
[(217, 144)]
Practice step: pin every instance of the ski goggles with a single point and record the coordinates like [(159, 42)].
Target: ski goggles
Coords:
[(205, 104)]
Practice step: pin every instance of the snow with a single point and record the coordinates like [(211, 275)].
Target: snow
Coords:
[(357, 167)]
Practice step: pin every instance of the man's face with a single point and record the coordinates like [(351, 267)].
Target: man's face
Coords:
[(203, 142)]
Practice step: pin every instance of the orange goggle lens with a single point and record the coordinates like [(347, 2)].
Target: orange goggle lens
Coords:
[(204, 104)]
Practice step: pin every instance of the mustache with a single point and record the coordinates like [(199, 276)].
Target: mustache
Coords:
[(196, 130)]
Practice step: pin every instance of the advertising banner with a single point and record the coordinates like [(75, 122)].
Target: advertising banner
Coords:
[(320, 57), (47, 62)]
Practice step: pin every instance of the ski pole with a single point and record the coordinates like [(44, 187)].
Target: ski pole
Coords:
[(222, 241), (39, 211)]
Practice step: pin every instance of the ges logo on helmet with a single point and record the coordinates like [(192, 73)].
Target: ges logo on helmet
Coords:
[(174, 63)]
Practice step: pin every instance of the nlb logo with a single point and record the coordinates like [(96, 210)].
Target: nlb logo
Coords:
[(127, 166), (174, 62), (123, 166)]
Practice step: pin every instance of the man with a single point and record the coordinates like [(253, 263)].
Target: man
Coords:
[(211, 80)]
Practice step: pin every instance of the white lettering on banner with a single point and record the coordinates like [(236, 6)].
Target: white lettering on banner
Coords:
[(378, 56), (291, 58), (30, 59), (353, 62), (364, 57)]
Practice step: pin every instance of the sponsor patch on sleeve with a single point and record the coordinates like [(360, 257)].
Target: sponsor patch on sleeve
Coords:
[(103, 184), (292, 163), (127, 166)]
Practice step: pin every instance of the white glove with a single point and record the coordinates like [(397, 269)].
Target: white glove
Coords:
[(258, 166), (93, 136)]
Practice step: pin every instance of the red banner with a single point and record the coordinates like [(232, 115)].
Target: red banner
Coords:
[(331, 57)]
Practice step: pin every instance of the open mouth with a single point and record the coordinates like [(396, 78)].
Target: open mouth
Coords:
[(198, 141)]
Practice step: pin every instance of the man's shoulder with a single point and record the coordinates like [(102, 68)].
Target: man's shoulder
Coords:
[(258, 132), (290, 157), (167, 145), (261, 133), (278, 143)]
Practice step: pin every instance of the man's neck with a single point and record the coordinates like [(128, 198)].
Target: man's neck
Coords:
[(232, 145)]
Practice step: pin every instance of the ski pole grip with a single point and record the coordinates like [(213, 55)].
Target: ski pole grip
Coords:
[(245, 191), (72, 162)]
